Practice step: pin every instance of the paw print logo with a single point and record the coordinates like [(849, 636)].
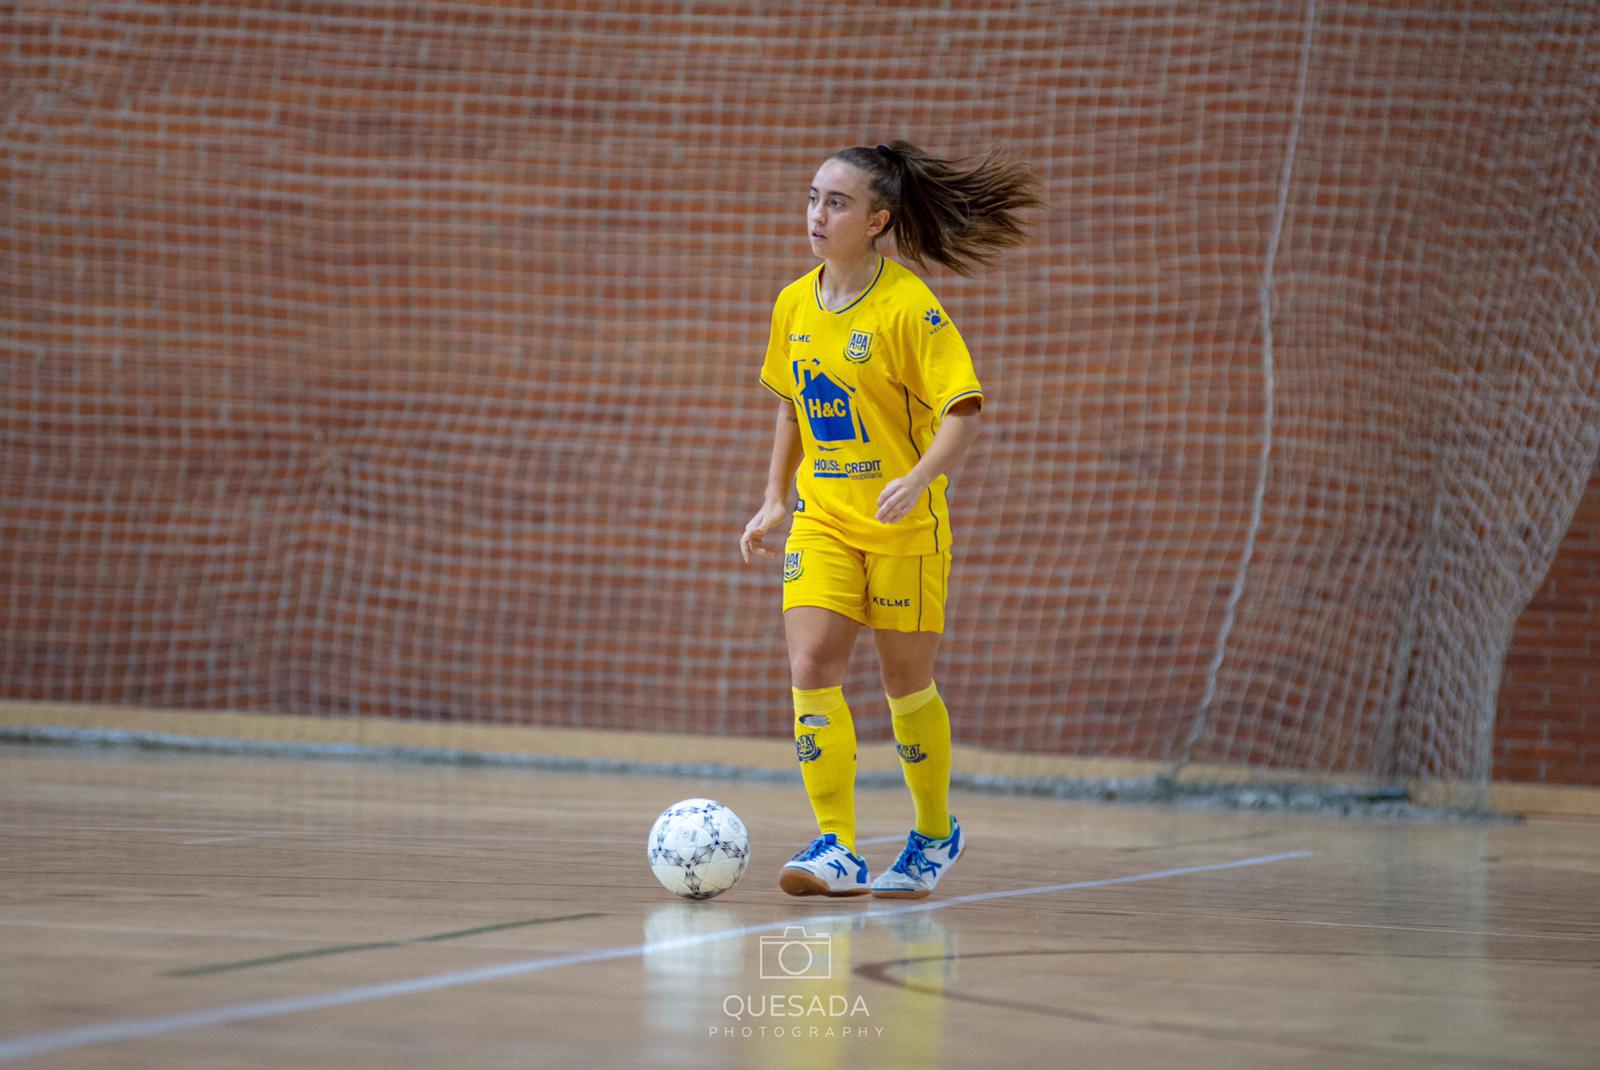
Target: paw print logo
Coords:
[(934, 317)]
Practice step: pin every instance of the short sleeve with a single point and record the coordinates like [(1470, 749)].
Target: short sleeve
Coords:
[(938, 369), (775, 374)]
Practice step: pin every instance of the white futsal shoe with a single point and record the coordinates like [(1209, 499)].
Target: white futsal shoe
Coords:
[(826, 867), (920, 865)]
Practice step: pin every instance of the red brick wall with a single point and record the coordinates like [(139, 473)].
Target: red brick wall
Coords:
[(399, 360), (1548, 728)]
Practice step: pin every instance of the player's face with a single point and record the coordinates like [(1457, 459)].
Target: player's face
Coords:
[(839, 215)]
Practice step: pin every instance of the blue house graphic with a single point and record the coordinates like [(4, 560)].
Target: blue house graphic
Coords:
[(827, 406)]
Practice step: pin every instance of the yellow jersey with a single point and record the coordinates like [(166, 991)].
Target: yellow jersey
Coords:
[(870, 383)]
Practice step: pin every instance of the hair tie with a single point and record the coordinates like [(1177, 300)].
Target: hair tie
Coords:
[(883, 150)]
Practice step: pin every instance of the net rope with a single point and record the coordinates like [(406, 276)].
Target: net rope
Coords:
[(398, 360)]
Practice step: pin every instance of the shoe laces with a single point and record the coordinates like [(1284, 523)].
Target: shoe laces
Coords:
[(912, 862), (819, 847)]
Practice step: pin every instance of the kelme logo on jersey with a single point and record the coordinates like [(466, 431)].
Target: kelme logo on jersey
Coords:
[(911, 753), (806, 749), (935, 319), (859, 350), (792, 569)]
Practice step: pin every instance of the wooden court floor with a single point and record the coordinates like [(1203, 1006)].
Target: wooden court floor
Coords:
[(195, 911)]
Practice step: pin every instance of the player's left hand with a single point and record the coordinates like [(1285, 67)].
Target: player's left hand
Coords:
[(899, 497)]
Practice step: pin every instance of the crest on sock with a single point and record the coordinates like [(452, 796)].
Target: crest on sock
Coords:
[(805, 747)]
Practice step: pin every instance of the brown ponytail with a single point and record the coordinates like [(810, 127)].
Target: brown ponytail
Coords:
[(942, 210)]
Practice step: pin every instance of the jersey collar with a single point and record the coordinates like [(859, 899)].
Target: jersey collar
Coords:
[(816, 289)]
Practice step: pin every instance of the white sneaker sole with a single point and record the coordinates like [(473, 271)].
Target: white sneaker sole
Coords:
[(800, 882)]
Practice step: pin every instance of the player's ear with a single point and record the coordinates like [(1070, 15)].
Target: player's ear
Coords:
[(877, 222)]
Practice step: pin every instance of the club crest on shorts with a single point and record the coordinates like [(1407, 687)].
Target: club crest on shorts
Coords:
[(806, 749), (911, 753), (859, 351), (791, 565)]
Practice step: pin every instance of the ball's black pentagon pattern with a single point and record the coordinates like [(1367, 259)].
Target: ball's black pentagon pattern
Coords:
[(711, 843)]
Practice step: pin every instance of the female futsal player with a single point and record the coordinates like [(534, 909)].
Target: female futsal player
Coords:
[(878, 400)]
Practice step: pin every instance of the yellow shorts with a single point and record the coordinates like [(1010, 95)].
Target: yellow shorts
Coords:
[(897, 594)]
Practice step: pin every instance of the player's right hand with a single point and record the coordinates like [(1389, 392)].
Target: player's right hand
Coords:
[(752, 542)]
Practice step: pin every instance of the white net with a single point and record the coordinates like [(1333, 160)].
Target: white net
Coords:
[(398, 360)]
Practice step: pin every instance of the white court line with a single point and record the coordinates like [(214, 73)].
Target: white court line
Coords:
[(143, 1028)]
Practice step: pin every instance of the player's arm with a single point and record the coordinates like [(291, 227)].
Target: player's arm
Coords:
[(956, 432), (787, 452)]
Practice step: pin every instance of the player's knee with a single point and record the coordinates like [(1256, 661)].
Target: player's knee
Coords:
[(899, 681), (809, 671)]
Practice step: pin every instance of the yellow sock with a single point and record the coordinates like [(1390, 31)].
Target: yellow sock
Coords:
[(825, 743), (922, 730)]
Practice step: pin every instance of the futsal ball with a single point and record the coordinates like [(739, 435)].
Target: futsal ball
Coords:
[(698, 848)]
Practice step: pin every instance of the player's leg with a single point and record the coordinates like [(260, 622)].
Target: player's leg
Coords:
[(921, 724), (820, 641), (907, 598), (823, 594)]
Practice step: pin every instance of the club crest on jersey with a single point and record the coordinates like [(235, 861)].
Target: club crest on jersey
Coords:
[(791, 565), (859, 351), (806, 749), (911, 753)]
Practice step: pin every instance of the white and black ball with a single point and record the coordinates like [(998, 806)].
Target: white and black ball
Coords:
[(698, 848)]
